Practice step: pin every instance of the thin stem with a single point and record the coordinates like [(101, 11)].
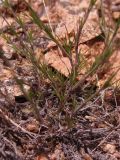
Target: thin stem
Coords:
[(48, 17)]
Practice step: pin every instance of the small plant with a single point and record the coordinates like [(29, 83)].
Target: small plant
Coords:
[(64, 89)]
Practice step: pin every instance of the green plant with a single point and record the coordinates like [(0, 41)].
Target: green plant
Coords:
[(64, 89)]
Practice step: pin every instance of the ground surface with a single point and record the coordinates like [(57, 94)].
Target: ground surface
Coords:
[(96, 133)]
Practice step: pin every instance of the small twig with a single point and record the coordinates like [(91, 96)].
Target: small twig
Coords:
[(105, 138), (33, 135), (14, 147), (85, 102)]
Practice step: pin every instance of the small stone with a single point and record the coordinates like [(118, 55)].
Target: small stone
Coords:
[(41, 157), (110, 148), (116, 15), (33, 126)]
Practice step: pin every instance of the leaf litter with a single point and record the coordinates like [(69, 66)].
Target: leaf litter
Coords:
[(96, 135)]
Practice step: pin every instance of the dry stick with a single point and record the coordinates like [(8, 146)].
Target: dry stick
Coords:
[(84, 103), (106, 138), (33, 135), (96, 93), (14, 147), (103, 141)]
